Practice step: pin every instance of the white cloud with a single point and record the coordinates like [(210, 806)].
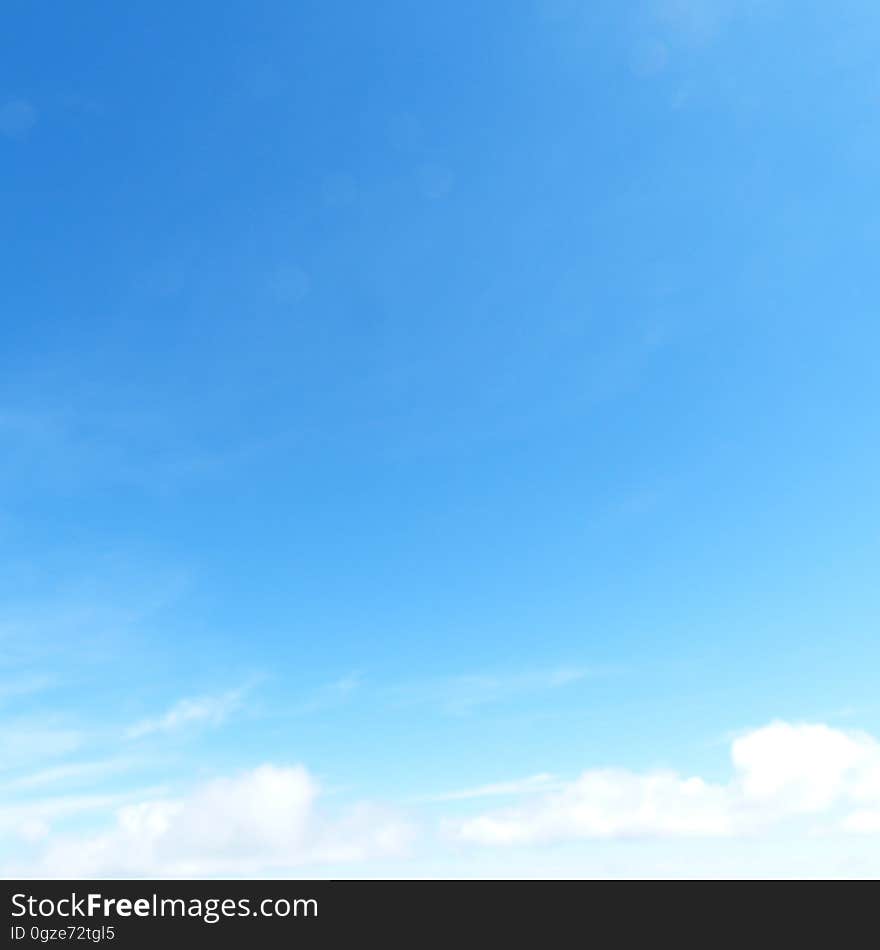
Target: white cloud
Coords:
[(24, 741), (863, 822), (608, 803), (809, 782), (781, 772), (201, 710), (804, 769), (252, 823), (460, 695)]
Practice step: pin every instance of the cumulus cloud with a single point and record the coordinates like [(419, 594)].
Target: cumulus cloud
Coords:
[(201, 710), (608, 803), (780, 772), (255, 822), (788, 769)]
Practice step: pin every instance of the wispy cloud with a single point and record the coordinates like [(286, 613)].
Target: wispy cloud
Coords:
[(26, 741), (67, 774), (25, 686), (196, 711), (332, 694), (544, 782), (61, 618), (71, 444), (459, 695), (696, 21)]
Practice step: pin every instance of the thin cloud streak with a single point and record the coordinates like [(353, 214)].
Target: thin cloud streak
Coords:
[(544, 782), (195, 711), (460, 695)]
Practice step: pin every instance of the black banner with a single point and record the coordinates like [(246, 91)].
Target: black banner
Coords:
[(170, 914)]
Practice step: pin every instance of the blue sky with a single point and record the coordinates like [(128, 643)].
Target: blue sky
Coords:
[(439, 438)]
